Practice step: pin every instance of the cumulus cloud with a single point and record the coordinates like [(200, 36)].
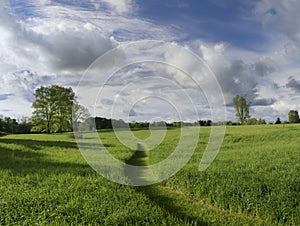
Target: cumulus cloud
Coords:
[(238, 74), (44, 42), (57, 37)]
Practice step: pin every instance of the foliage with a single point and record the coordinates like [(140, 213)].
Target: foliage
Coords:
[(241, 107), (293, 116), (11, 125), (278, 121), (53, 109), (104, 123), (254, 121), (205, 122)]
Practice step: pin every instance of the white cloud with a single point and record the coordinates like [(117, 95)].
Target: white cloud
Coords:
[(121, 6), (281, 15), (54, 41), (61, 39)]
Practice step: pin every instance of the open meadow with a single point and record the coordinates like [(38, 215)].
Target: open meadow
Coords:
[(254, 180)]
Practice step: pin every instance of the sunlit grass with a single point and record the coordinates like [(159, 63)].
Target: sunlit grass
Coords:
[(254, 180)]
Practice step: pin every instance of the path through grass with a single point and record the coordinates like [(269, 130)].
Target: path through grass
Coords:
[(253, 181), (182, 205)]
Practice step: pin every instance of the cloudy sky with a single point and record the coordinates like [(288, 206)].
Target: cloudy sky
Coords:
[(247, 47)]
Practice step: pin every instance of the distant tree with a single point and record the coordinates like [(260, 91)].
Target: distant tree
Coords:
[(121, 124), (252, 121), (208, 123), (278, 121), (177, 124), (241, 107), (261, 122), (293, 116), (229, 123), (53, 109), (202, 122), (24, 126), (158, 124), (10, 125)]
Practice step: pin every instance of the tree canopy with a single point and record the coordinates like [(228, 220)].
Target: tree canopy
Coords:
[(10, 125), (293, 116), (241, 107), (278, 121), (53, 109)]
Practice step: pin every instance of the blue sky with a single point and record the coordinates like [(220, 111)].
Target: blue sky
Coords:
[(209, 20), (251, 47)]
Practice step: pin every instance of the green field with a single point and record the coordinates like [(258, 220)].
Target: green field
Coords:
[(254, 180)]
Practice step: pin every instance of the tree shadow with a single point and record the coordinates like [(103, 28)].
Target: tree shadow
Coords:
[(29, 160), (172, 203), (40, 144)]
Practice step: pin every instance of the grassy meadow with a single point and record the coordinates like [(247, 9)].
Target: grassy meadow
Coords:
[(254, 180)]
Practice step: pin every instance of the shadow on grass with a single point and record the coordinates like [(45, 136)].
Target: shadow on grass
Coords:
[(175, 204), (172, 202), (40, 144), (30, 160)]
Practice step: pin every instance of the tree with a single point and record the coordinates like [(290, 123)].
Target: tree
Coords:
[(10, 125), (80, 114), (252, 121), (65, 100), (53, 109), (278, 121), (241, 107), (293, 116)]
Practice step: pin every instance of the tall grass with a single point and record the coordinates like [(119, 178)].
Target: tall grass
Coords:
[(45, 181), (254, 180), (255, 173)]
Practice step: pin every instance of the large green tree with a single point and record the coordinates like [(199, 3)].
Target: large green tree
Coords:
[(293, 116), (53, 109), (241, 106)]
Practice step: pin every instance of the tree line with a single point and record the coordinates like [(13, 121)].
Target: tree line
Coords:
[(56, 109), (100, 123), (11, 125)]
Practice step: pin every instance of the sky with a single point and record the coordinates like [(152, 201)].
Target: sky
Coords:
[(205, 53)]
